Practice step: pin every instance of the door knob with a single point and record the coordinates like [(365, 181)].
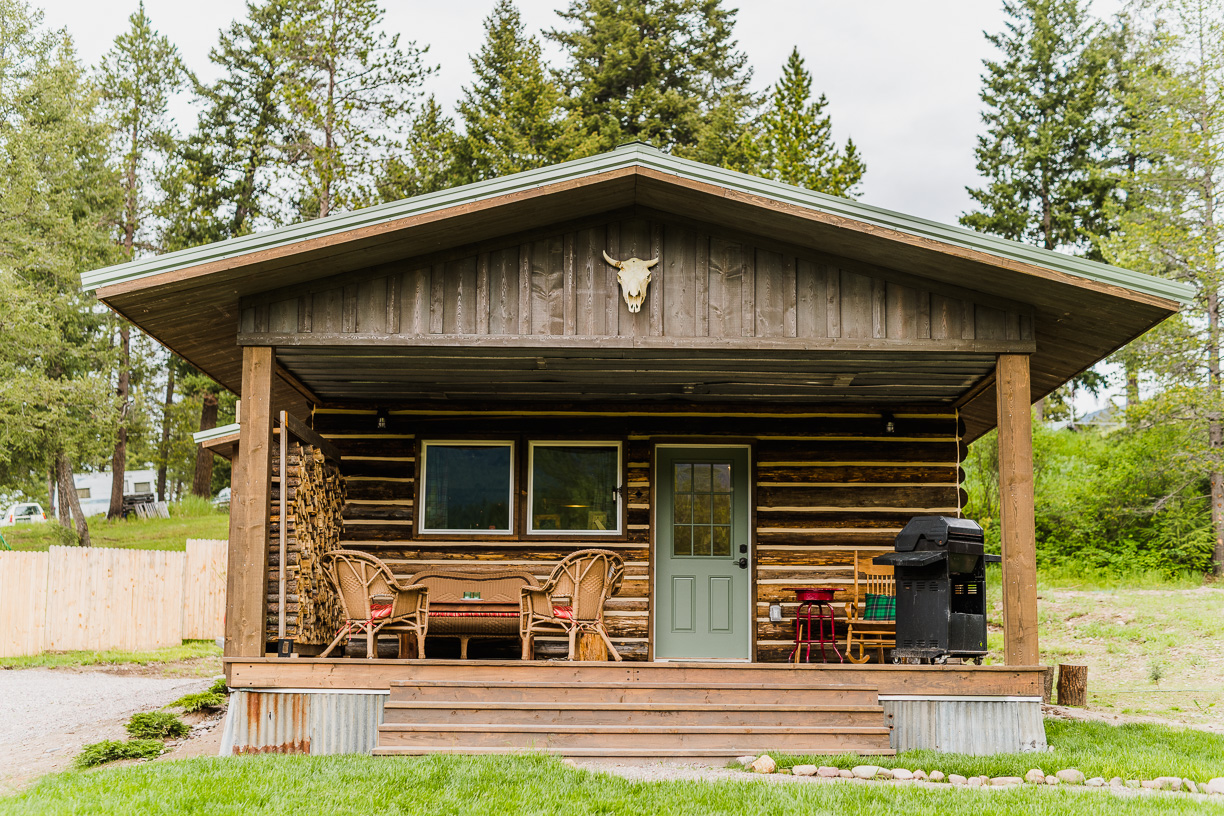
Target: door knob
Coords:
[(743, 563)]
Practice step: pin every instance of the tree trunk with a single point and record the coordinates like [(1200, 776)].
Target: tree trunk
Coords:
[(69, 497), (1039, 410), (202, 484), (55, 498), (1073, 686), (1215, 429), (164, 450), (119, 460), (1132, 383)]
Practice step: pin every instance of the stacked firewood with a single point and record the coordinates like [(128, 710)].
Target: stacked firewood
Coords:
[(315, 496)]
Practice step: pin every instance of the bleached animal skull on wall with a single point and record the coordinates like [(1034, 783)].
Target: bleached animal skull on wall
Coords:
[(634, 277)]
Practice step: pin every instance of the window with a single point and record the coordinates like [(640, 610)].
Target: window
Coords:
[(702, 509), (144, 487), (83, 492), (467, 486), (573, 487)]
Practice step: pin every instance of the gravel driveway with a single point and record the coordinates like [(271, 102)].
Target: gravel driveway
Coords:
[(46, 716)]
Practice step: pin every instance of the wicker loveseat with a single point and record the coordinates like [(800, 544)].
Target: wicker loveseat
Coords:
[(493, 613)]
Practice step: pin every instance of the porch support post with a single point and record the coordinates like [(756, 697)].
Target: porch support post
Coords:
[(246, 582), (1013, 389)]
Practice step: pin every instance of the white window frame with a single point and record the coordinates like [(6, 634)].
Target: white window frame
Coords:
[(582, 443), (466, 443)]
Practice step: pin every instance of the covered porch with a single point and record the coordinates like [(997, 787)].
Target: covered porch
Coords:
[(483, 397)]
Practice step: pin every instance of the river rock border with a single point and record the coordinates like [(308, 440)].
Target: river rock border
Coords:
[(765, 764)]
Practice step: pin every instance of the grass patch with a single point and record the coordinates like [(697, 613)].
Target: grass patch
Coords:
[(199, 701), (277, 785), (99, 753), (195, 518), (188, 650), (156, 725), (1133, 751)]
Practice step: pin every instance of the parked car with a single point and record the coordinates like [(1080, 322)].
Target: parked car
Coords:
[(23, 513)]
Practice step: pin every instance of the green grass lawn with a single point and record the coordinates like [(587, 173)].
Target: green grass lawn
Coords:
[(190, 650), (366, 786), (1131, 751), (192, 519)]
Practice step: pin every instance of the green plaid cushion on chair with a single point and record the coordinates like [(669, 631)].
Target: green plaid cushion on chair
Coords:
[(880, 608)]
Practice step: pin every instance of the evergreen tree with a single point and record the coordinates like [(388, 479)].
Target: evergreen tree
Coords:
[(796, 137), (512, 114), (222, 182), (656, 70), (1172, 227), (55, 194), (138, 76), (1048, 152), (350, 91), (427, 163)]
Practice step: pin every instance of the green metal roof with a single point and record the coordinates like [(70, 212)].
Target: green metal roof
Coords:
[(640, 155), (200, 437)]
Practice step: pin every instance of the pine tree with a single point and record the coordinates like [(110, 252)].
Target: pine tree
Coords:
[(655, 70), (796, 137), (1048, 152), (350, 92), (56, 192), (512, 114), (1172, 226), (138, 76), (427, 163)]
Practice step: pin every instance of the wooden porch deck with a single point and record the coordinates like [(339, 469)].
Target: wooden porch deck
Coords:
[(697, 710)]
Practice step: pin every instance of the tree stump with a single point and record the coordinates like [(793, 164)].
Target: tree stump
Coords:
[(1073, 686), (1047, 685), (591, 647)]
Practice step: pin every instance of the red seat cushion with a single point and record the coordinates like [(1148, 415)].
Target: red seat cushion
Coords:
[(380, 611), (433, 614), (563, 612)]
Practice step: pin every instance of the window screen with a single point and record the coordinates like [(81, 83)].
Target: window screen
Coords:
[(467, 487), (574, 487)]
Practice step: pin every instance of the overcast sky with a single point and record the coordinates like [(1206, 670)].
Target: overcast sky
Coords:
[(901, 76)]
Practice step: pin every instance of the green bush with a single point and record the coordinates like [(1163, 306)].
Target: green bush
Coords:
[(1122, 502), (199, 701), (190, 506), (156, 725), (219, 687), (99, 753)]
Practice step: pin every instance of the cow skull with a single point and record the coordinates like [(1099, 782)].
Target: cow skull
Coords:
[(634, 277)]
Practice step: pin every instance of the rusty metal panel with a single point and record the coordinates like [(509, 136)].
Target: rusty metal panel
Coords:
[(965, 725), (302, 722)]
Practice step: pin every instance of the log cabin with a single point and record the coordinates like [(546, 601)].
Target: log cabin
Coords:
[(468, 388)]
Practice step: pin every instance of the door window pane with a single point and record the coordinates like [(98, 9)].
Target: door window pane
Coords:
[(467, 487), (701, 509), (574, 488)]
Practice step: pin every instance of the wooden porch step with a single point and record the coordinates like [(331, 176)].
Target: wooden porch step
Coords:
[(660, 740), (735, 750), (594, 713), (643, 693)]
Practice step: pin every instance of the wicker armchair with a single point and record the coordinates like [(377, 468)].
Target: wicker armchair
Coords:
[(572, 600), (879, 633), (373, 601)]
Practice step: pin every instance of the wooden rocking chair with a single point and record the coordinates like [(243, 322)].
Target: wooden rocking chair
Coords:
[(372, 600), (867, 626), (572, 600)]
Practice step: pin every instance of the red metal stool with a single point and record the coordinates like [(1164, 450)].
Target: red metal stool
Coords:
[(814, 607)]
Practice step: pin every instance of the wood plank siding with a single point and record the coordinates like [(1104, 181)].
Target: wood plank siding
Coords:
[(825, 484), (733, 292)]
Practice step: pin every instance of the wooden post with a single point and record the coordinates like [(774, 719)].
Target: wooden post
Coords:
[(1016, 510), (1073, 686), (591, 647), (247, 577)]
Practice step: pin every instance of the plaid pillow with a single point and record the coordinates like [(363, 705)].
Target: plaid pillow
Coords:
[(880, 608)]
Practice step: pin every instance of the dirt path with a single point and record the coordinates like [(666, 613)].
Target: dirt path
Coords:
[(46, 716)]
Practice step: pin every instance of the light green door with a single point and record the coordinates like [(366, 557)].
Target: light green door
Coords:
[(702, 554)]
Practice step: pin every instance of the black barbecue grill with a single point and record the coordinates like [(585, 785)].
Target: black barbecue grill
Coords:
[(939, 563)]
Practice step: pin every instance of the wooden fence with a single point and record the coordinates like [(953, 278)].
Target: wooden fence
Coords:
[(92, 598)]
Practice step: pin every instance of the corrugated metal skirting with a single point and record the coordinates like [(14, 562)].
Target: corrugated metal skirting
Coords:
[(294, 722), (965, 725)]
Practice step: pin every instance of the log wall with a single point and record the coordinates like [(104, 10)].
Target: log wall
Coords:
[(826, 483)]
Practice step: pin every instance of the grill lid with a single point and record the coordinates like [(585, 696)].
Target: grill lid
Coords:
[(937, 532)]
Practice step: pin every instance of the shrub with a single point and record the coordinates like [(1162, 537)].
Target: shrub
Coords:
[(219, 687), (192, 507), (105, 751), (198, 701), (156, 725)]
